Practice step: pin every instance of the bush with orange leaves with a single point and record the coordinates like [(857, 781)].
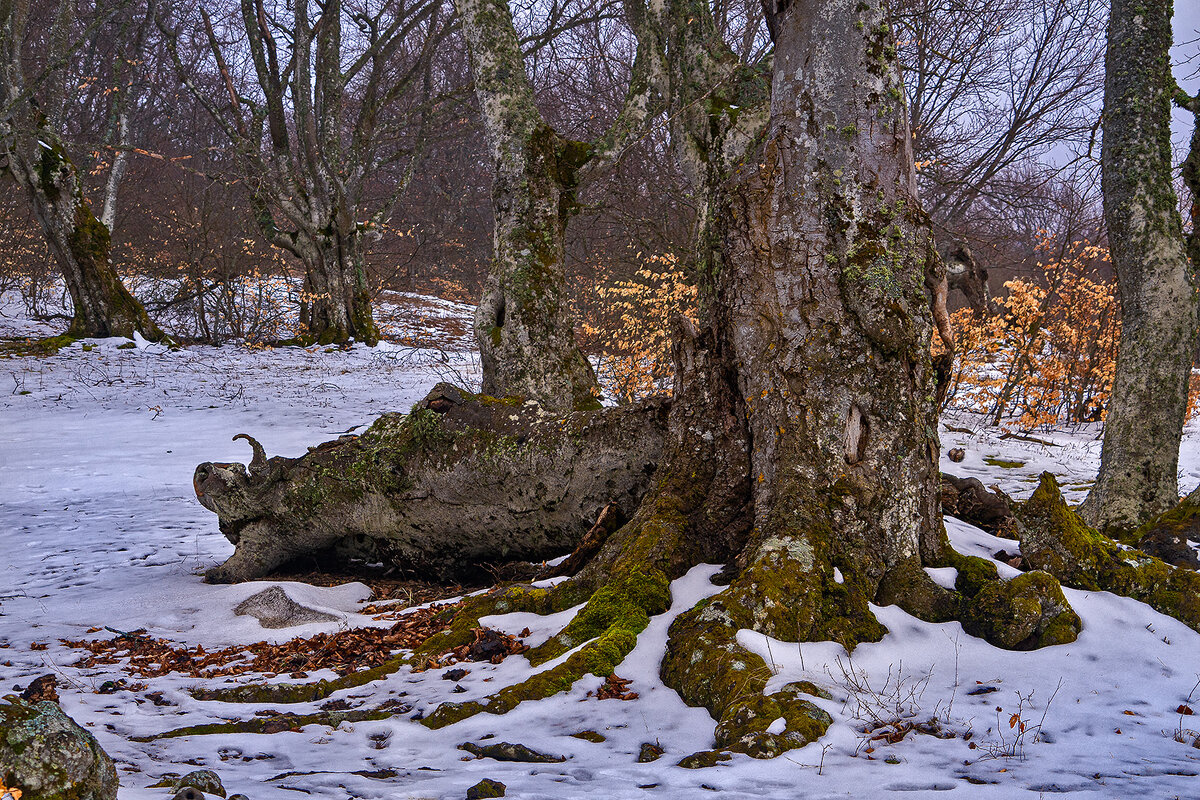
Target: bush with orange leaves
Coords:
[(1047, 357), (626, 325)]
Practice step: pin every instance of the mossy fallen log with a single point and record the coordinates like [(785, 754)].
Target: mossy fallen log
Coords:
[(462, 482)]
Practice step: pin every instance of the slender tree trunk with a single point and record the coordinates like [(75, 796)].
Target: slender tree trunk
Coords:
[(1144, 425), (523, 324), (337, 302), (81, 244)]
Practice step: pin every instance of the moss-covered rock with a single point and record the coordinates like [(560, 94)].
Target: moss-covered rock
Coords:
[(1025, 613), (204, 780), (46, 755)]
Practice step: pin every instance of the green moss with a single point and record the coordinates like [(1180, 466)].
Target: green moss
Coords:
[(996, 461), (38, 348), (626, 604), (1055, 539)]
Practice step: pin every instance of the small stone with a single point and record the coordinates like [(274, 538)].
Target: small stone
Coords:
[(957, 454), (649, 752), (458, 689), (274, 609), (589, 736), (454, 674), (486, 788), (204, 780), (189, 793), (238, 797), (507, 751)]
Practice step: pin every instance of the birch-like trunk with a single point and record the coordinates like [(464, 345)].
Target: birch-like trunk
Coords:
[(1142, 432), (523, 322)]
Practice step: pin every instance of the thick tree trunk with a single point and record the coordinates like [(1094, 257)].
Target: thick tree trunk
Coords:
[(462, 482), (828, 258), (802, 446), (81, 244), (523, 324), (1144, 425), (337, 300)]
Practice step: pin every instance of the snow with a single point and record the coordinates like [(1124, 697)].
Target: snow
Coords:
[(99, 527)]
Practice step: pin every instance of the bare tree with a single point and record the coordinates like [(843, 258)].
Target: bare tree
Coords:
[(312, 116), (35, 154)]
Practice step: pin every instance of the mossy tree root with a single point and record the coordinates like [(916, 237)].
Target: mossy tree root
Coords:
[(1055, 538), (283, 722)]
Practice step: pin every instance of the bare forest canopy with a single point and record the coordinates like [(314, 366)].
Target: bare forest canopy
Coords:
[(1003, 103)]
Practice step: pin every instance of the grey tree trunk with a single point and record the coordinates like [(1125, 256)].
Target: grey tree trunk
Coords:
[(828, 259), (1142, 432), (523, 325), (36, 157), (337, 302)]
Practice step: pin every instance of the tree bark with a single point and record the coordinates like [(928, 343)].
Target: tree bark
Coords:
[(337, 301), (523, 325), (1144, 425)]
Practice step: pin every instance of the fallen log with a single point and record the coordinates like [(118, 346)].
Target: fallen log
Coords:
[(462, 482)]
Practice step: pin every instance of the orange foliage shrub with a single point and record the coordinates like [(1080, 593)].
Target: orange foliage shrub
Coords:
[(1049, 355), (628, 327)]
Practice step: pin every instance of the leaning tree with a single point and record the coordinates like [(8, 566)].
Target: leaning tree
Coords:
[(34, 152)]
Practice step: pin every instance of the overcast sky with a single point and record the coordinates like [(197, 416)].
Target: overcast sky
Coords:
[(1186, 56)]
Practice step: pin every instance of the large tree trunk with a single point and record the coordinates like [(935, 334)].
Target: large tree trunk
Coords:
[(81, 244), (462, 482), (523, 324), (336, 306), (802, 446), (1144, 425)]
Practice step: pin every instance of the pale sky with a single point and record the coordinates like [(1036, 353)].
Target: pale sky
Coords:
[(1186, 56)]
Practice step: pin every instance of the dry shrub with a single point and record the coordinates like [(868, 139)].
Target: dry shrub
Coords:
[(1047, 357), (628, 326)]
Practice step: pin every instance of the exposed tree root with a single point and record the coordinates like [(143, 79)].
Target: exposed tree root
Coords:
[(300, 692), (1056, 539)]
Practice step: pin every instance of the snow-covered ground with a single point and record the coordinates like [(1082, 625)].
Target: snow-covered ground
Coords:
[(99, 527)]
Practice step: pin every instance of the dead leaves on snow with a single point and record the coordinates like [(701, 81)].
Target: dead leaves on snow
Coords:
[(343, 652)]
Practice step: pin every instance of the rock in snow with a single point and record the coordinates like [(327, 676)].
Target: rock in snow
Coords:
[(274, 609)]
